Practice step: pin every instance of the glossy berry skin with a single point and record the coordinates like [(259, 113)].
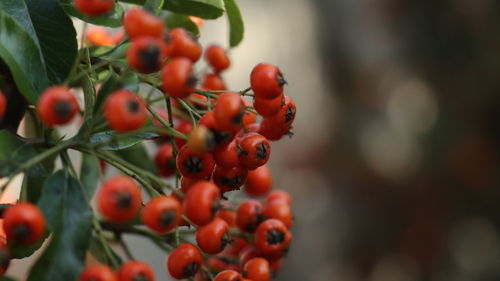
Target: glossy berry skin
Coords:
[(162, 214), (227, 215), (94, 7), (254, 150), (184, 261), (229, 179), (134, 271), (276, 126), (269, 107), (257, 269), (226, 156), (140, 23), (213, 82), (3, 104), (228, 275), (184, 127), (23, 223), (184, 45), (177, 77), (216, 264), (194, 165), (272, 237), (228, 112), (279, 210), (98, 272), (213, 237), (266, 81), (201, 140), (259, 181), (147, 54), (119, 199), (279, 195), (235, 248), (221, 137), (125, 111), (57, 105), (249, 215), (4, 256), (217, 58), (165, 160), (201, 202), (247, 253)]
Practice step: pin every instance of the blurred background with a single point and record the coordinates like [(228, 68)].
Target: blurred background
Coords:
[(394, 165)]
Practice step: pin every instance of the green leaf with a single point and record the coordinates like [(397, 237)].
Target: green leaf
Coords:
[(23, 57), (89, 174), (56, 36), (205, 9), (236, 26), (138, 156), (154, 6), (174, 20), (112, 19), (68, 213), (113, 141)]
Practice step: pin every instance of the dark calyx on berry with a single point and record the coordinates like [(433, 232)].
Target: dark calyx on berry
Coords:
[(192, 80), (261, 151), (191, 269), (238, 118), (226, 240), (281, 80), (275, 237), (193, 165), (149, 58), (167, 217), (141, 277), (124, 200), (62, 109), (251, 227), (4, 258), (221, 136), (289, 115), (21, 232), (232, 182), (133, 106)]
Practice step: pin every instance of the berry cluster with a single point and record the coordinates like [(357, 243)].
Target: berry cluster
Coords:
[(213, 141)]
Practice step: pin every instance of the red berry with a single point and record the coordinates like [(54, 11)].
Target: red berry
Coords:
[(229, 179), (147, 54), (98, 272), (213, 82), (266, 81), (3, 104), (249, 215), (253, 150), (4, 256), (217, 58), (213, 237), (234, 249), (279, 210), (94, 7), (248, 117), (135, 271), (272, 237), (228, 112), (119, 199), (57, 105), (184, 261), (269, 107), (218, 263), (162, 214), (259, 181), (23, 223), (201, 202), (125, 111), (247, 253), (184, 45), (228, 275), (184, 127), (279, 195), (194, 165), (226, 156), (276, 126), (201, 140), (221, 137), (177, 77), (138, 23), (228, 215), (257, 269), (165, 160)]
